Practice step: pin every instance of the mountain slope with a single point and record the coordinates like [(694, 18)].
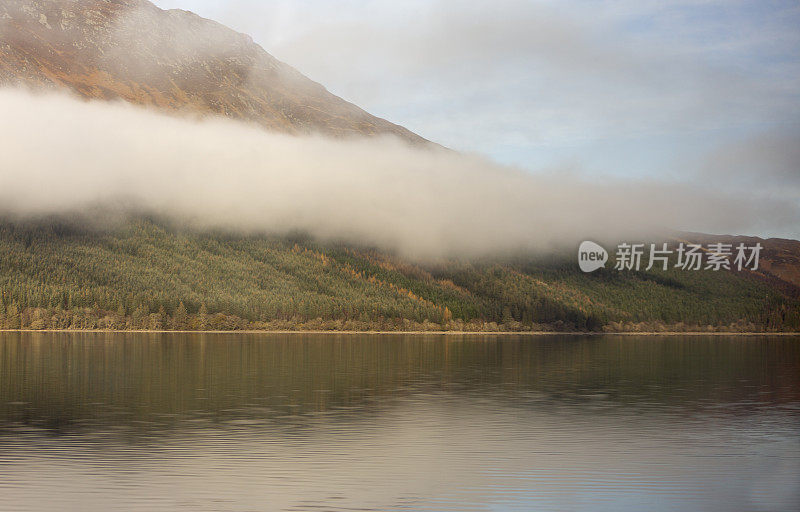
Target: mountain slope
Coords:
[(780, 258), (173, 60), (147, 274)]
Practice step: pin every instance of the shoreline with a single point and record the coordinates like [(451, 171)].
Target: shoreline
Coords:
[(408, 333)]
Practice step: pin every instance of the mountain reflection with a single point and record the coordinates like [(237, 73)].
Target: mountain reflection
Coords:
[(145, 382)]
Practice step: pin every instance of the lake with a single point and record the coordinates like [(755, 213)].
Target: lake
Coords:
[(251, 422)]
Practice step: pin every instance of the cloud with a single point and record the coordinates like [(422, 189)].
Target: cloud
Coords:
[(765, 168), (621, 65), (544, 82), (771, 158), (61, 155)]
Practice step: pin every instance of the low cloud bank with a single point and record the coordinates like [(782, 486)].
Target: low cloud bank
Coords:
[(61, 155)]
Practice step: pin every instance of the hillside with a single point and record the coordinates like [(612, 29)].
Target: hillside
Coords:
[(147, 274), (144, 274), (172, 60)]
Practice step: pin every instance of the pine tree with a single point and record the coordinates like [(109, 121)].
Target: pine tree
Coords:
[(179, 318), (12, 316)]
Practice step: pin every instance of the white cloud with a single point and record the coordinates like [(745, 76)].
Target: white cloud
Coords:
[(547, 82), (63, 155)]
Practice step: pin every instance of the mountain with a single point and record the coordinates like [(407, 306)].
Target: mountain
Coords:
[(779, 262), (145, 273), (173, 60)]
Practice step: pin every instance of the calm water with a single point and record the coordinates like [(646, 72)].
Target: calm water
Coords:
[(324, 422)]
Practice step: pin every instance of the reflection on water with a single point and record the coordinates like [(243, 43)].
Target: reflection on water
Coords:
[(338, 422)]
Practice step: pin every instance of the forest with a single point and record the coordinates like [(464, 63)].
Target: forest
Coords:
[(148, 274)]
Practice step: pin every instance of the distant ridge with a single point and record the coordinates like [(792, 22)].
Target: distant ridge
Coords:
[(173, 60)]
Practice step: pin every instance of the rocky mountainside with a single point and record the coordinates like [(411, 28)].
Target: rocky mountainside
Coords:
[(173, 60)]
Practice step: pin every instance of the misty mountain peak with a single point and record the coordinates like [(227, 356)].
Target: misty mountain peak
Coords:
[(169, 59)]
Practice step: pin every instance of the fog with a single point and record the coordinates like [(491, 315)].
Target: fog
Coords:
[(630, 87), (64, 155)]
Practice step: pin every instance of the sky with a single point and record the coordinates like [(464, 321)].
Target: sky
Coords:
[(607, 120), (626, 88)]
